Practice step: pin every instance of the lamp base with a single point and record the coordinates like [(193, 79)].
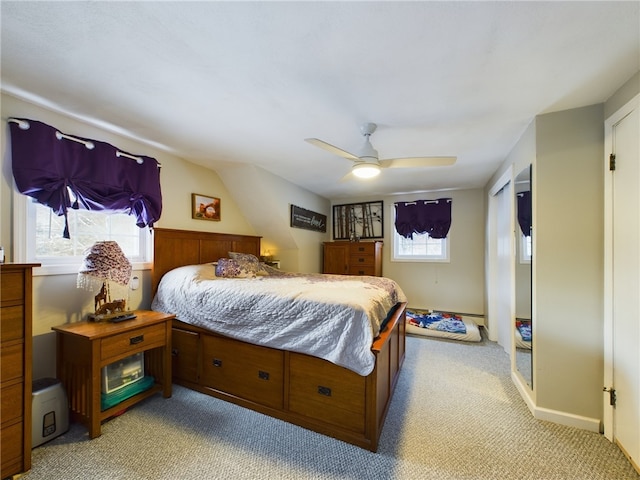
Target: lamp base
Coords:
[(112, 317)]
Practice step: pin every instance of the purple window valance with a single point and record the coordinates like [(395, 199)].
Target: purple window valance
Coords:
[(47, 164), (524, 212), (432, 217)]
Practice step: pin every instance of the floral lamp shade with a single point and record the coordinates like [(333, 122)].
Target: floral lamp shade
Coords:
[(104, 261), (106, 266)]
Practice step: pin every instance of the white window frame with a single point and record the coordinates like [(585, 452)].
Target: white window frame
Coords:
[(25, 245), (525, 257), (396, 257)]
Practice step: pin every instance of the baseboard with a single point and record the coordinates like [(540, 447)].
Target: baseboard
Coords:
[(626, 454), (525, 392), (554, 416), (568, 419)]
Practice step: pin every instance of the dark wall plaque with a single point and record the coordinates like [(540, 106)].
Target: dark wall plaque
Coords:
[(302, 218)]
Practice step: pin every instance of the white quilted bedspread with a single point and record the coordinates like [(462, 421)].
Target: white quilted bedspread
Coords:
[(333, 317)]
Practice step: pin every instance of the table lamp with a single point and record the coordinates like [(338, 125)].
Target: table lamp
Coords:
[(106, 266)]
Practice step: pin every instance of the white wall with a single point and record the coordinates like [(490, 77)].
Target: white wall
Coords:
[(266, 201), (456, 286), (568, 249), (566, 150), (625, 93)]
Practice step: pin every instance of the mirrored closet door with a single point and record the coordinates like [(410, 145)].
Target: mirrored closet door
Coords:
[(523, 318)]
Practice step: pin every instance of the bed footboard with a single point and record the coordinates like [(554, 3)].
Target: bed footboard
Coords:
[(297, 388)]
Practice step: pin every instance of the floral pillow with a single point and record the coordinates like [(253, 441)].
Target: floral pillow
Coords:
[(230, 268), (233, 268), (244, 257)]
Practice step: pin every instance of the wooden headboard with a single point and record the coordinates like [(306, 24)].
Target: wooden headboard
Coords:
[(176, 248)]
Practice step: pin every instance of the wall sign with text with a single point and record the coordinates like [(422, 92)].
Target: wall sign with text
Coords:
[(302, 218)]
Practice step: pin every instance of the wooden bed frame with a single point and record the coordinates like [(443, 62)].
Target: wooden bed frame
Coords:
[(300, 389)]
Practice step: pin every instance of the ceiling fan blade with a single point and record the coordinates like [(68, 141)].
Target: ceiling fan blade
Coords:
[(348, 177), (330, 148), (415, 162)]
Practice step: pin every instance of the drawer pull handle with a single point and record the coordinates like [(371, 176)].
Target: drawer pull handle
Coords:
[(217, 362), (263, 375), (361, 272), (361, 249), (361, 260), (174, 352), (136, 340), (326, 391)]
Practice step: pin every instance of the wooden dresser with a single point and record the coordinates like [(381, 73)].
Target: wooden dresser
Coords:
[(353, 258), (15, 367)]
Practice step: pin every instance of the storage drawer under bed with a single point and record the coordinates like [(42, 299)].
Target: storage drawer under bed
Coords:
[(184, 355), (321, 390), (249, 371)]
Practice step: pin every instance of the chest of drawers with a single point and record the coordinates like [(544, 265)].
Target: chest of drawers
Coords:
[(353, 258), (15, 367)]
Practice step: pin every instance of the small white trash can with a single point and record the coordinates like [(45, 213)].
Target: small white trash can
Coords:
[(50, 411)]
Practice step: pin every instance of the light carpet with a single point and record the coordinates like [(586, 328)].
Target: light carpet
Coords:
[(455, 415)]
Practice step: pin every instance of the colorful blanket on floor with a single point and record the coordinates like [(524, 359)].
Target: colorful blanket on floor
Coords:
[(525, 330), (445, 322)]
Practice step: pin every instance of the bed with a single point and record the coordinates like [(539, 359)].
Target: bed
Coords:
[(442, 325), (345, 395)]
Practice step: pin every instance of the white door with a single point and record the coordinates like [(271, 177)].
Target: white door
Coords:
[(622, 280), (505, 268), (499, 248)]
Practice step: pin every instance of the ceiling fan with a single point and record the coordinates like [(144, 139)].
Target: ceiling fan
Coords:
[(367, 164)]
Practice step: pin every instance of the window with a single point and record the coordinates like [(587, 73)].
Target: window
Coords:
[(64, 171), (43, 241), (419, 222), (420, 248)]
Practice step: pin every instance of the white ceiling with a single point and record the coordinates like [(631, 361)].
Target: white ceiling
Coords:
[(217, 82)]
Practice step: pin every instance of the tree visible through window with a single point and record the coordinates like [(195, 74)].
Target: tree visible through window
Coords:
[(420, 248), (48, 247)]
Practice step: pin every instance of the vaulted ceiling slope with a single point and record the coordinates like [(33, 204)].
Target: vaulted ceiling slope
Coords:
[(219, 82)]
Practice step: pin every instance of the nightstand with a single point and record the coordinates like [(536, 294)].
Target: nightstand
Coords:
[(83, 348)]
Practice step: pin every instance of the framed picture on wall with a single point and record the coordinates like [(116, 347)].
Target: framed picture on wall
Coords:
[(204, 207), (355, 221)]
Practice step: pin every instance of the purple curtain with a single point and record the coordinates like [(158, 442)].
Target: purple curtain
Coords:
[(45, 168), (432, 217), (524, 212)]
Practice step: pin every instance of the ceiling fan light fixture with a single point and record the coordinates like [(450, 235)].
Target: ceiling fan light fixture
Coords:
[(366, 170)]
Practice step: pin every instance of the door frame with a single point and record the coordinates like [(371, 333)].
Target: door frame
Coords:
[(619, 115)]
